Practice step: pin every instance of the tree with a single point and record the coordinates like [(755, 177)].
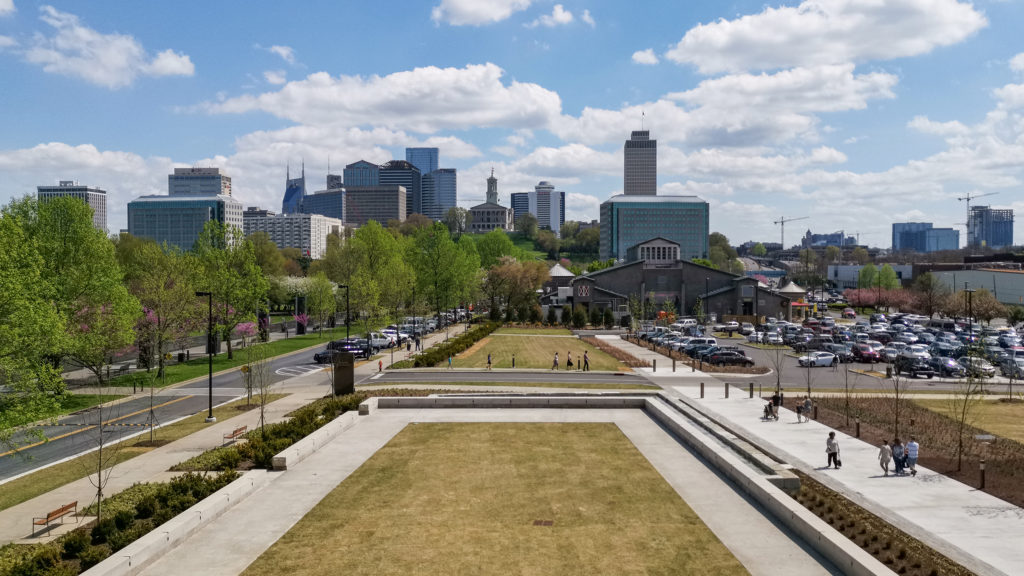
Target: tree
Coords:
[(493, 246), (595, 316), (832, 254), (259, 379), (776, 356), (758, 250), (867, 277), (320, 299), (552, 316), (268, 257), (608, 319), (860, 255), (230, 273), (985, 307), (381, 279), (457, 220), (579, 317), (442, 270), (569, 230), (929, 293), (587, 241), (887, 278), (1014, 315), (962, 405), (704, 262), (596, 265), (548, 242), (166, 290), (900, 388), (527, 225)]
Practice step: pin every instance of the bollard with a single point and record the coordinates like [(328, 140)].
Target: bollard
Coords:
[(673, 365), (513, 360), (726, 389), (858, 427), (815, 411), (654, 363), (982, 487), (188, 355), (701, 389), (693, 367), (751, 389)]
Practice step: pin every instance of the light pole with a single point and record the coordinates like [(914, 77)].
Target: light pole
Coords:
[(707, 306), (209, 352), (345, 286)]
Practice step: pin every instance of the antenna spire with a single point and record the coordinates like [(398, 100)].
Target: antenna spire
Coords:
[(642, 114)]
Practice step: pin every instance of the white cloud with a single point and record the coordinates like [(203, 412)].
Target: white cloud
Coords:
[(582, 207), (7, 42), (645, 57), (275, 77), (1010, 96), (109, 60), (1017, 63), (7, 7), (924, 125), (476, 12), (559, 17), (285, 52), (588, 19), (827, 32), (422, 100)]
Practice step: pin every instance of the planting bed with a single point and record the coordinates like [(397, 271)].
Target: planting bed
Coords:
[(900, 552)]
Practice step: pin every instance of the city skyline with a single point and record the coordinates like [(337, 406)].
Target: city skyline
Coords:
[(857, 115)]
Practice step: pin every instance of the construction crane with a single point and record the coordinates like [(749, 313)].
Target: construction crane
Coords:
[(782, 222), (968, 199)]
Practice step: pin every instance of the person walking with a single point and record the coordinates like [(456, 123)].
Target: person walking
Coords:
[(488, 361), (554, 365), (799, 411), (380, 365), (807, 408), (586, 362), (832, 449), (897, 456), (912, 451), (449, 361), (568, 360), (884, 456)]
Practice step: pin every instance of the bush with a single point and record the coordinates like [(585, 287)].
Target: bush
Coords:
[(146, 507), (124, 519), (579, 317), (75, 542), (103, 530), (440, 353), (119, 540), (127, 499), (216, 459), (45, 562), (552, 316), (93, 556), (608, 318)]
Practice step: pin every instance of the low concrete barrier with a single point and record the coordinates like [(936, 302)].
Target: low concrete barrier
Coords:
[(581, 401), (131, 559), (300, 450)]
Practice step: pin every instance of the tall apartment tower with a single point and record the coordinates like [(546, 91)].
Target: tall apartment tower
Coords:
[(990, 227), (294, 192), (640, 171), (94, 197), (198, 182)]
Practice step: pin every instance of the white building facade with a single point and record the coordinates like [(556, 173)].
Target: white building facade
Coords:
[(307, 232), (96, 198)]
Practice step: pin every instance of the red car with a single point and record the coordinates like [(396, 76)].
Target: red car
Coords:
[(849, 313), (865, 353)]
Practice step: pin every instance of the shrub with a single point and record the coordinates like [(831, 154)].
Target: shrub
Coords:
[(440, 353), (93, 556), (216, 459), (124, 519), (119, 540), (126, 499), (75, 542), (45, 562), (552, 316), (146, 507), (608, 319), (102, 531), (595, 317)]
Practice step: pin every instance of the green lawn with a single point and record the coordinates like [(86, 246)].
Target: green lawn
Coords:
[(199, 365), (534, 352), (31, 485), (1000, 418), (461, 498)]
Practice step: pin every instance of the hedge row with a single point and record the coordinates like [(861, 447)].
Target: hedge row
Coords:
[(440, 353), (127, 516)]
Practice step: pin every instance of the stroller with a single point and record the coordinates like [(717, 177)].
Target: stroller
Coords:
[(769, 411)]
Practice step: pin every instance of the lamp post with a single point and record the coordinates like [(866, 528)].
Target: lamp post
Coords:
[(209, 352), (707, 304), (345, 286)]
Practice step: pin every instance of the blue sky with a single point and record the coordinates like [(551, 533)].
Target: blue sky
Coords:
[(854, 113)]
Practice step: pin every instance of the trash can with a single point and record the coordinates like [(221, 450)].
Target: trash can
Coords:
[(181, 357), (888, 371)]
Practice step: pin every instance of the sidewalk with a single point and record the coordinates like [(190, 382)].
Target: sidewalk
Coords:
[(970, 526)]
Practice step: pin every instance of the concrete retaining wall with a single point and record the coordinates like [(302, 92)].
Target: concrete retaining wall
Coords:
[(300, 450), (131, 559), (581, 401)]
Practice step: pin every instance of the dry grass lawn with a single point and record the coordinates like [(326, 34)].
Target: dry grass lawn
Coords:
[(465, 498), (534, 331), (534, 351), (1000, 418)]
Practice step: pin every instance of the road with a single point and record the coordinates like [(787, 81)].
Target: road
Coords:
[(77, 433)]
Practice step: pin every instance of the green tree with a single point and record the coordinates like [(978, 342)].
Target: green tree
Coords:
[(758, 250), (457, 220), (527, 225), (608, 319), (867, 277), (320, 299), (860, 255), (493, 246), (268, 257), (548, 242), (595, 316), (129, 252), (579, 317), (166, 290), (1015, 315), (704, 262), (381, 279), (832, 254), (887, 278), (443, 271), (930, 293), (569, 230), (587, 241), (230, 273), (552, 316)]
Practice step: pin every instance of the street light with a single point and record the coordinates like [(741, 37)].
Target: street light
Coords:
[(707, 307), (209, 352), (345, 286)]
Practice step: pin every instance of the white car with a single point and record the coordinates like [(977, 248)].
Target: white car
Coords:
[(746, 328), (818, 359)]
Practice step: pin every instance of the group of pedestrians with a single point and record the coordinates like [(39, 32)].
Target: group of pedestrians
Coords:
[(902, 457), (585, 366)]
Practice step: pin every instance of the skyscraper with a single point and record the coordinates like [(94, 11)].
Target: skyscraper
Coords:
[(629, 220), (988, 227), (362, 173), (402, 173), (294, 192), (94, 197), (198, 182), (921, 237), (640, 171), (438, 191), (426, 159), (545, 203)]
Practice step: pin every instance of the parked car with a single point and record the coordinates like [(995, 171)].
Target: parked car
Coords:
[(913, 366), (945, 366), (818, 359), (849, 313), (730, 357), (865, 353), (978, 367), (325, 356), (746, 328), (844, 354), (1012, 368)]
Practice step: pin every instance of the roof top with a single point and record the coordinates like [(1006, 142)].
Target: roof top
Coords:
[(656, 199), (560, 271), (489, 206), (792, 288)]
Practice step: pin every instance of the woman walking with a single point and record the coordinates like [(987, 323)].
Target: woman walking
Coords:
[(568, 360), (832, 449), (884, 456), (554, 365), (898, 454)]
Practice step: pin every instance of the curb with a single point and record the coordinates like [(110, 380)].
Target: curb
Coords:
[(133, 558), (304, 448)]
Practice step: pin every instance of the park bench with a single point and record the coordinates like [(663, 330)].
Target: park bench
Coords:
[(235, 434), (60, 513)]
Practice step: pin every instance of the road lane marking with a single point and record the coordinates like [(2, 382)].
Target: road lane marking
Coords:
[(90, 427)]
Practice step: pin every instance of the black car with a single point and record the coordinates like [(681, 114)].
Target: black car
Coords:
[(730, 357), (946, 366), (359, 347), (913, 366), (840, 350), (325, 357)]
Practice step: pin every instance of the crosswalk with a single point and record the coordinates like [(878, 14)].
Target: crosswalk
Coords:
[(291, 371)]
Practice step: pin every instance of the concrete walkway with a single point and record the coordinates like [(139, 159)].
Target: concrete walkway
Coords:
[(970, 526), (230, 543)]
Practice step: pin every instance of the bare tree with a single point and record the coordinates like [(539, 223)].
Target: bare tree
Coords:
[(777, 358), (900, 387), (961, 404), (258, 378), (103, 430)]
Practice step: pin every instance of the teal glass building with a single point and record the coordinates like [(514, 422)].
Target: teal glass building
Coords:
[(629, 220)]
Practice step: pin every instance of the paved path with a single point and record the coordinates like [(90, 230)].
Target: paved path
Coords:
[(230, 543), (966, 524)]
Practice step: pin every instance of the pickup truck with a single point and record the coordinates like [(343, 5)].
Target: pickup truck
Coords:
[(913, 366)]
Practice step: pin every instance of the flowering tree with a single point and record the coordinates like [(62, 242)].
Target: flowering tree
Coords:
[(166, 289)]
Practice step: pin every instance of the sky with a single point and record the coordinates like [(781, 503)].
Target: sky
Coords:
[(852, 114)]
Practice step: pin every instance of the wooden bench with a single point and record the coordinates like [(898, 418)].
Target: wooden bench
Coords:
[(235, 434), (60, 513)]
